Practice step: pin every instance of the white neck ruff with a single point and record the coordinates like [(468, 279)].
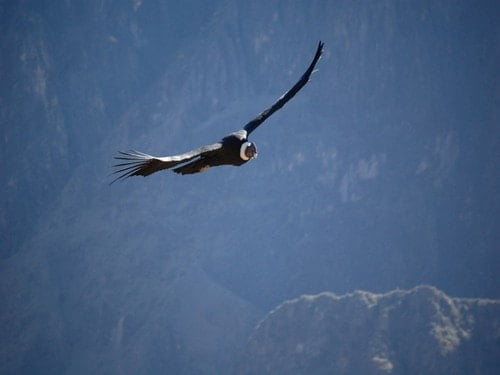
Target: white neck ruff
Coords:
[(243, 149)]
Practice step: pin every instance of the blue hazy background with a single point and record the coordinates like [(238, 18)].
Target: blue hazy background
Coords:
[(382, 173)]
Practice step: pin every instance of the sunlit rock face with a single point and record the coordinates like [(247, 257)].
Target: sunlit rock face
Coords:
[(420, 331)]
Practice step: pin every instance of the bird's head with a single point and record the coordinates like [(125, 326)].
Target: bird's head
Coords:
[(248, 151)]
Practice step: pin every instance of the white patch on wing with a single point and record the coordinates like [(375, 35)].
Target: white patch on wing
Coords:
[(240, 134)]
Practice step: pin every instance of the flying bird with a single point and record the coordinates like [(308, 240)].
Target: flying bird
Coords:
[(233, 149)]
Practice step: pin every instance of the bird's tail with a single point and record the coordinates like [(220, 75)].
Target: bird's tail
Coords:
[(136, 163)]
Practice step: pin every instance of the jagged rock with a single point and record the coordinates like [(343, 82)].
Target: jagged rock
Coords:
[(420, 331)]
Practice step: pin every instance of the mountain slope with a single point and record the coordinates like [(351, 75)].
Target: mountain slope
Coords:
[(381, 173), (420, 331)]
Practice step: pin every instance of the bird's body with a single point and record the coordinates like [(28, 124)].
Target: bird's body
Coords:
[(233, 149), (228, 154)]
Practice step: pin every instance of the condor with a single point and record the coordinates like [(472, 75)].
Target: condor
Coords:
[(233, 149)]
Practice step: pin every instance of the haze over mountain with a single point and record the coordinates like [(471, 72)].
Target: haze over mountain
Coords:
[(420, 331), (381, 174)]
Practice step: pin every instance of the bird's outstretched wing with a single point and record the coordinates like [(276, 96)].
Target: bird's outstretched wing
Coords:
[(252, 125), (137, 163), (195, 166)]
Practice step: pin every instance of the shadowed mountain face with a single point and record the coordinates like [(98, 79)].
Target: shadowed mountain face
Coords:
[(380, 174), (420, 331)]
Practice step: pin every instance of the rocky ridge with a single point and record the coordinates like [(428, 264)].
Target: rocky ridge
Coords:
[(419, 331)]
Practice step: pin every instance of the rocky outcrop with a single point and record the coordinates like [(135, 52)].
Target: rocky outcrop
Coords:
[(420, 331)]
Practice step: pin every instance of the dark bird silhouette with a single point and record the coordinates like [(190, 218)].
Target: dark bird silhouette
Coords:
[(233, 149)]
